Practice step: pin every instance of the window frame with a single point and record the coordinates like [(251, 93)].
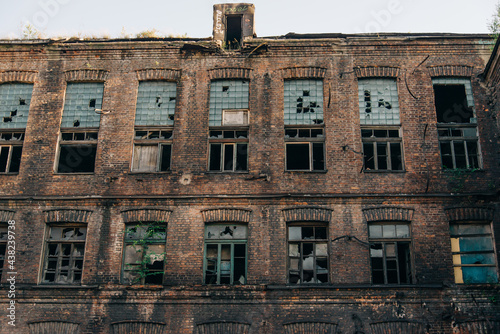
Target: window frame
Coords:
[(148, 241), (159, 142), (456, 254), (221, 242), (452, 126), (396, 241), (310, 140), (300, 256), (59, 257), (388, 140), (4, 242), (223, 142), (11, 140), (87, 142)]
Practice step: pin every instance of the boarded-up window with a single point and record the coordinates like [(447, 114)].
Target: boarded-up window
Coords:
[(152, 150)]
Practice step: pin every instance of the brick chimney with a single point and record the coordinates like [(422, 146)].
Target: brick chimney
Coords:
[(233, 24)]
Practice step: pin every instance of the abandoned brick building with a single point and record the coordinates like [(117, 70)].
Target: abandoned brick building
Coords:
[(305, 183)]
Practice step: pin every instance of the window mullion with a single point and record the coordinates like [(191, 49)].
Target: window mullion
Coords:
[(219, 260)]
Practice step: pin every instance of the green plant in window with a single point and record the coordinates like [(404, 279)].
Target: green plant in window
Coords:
[(148, 243)]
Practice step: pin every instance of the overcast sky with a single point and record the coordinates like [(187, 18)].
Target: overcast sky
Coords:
[(193, 18)]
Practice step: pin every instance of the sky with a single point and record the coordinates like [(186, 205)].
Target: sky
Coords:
[(193, 18)]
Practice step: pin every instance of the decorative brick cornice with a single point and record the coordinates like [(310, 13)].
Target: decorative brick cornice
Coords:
[(468, 213), (307, 214), (229, 73), (450, 71), (226, 215), (376, 71), (137, 327), (303, 73), (388, 214), (310, 327), (86, 75), (226, 327), (67, 215), (6, 215), (146, 215), (478, 326), (18, 76), (53, 327), (158, 74)]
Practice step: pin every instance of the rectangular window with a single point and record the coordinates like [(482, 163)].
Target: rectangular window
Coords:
[(80, 103), (228, 150), (11, 148), (4, 238), (77, 152), (473, 253), (457, 125), (144, 253), (225, 254), (152, 150), (228, 120), (303, 102), (382, 149), (304, 149), (307, 254), (390, 253), (378, 101), (64, 253), (156, 101)]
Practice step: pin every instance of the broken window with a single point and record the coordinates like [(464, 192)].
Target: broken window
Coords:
[(4, 237), (307, 254), (234, 31), (379, 118), (152, 150), (378, 101), (156, 102), (81, 101), (64, 253), (77, 152), (473, 253), (144, 253), (228, 120), (303, 100), (11, 148), (390, 253), (15, 101), (382, 148), (225, 254), (457, 126), (304, 149), (154, 120)]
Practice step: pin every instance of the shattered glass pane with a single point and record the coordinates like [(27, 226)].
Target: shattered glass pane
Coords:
[(226, 94), (15, 99), (303, 100), (216, 231), (155, 103), (77, 110), (378, 101)]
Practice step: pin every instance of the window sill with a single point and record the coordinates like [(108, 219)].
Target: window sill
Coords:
[(153, 173), (353, 286), (227, 172), (307, 171), (63, 286), (92, 173), (383, 171), (9, 173)]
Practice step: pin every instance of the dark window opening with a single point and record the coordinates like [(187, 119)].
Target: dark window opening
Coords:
[(77, 158), (451, 104), (234, 31)]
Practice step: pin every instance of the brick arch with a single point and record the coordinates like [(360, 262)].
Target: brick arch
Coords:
[(229, 73), (303, 73), (376, 71), (226, 215), (388, 214), (398, 326), (158, 74), (450, 71), (307, 214), (226, 327), (53, 327), (469, 213), (86, 75), (310, 327), (67, 215), (18, 76), (146, 215), (6, 215), (143, 327), (478, 326)]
